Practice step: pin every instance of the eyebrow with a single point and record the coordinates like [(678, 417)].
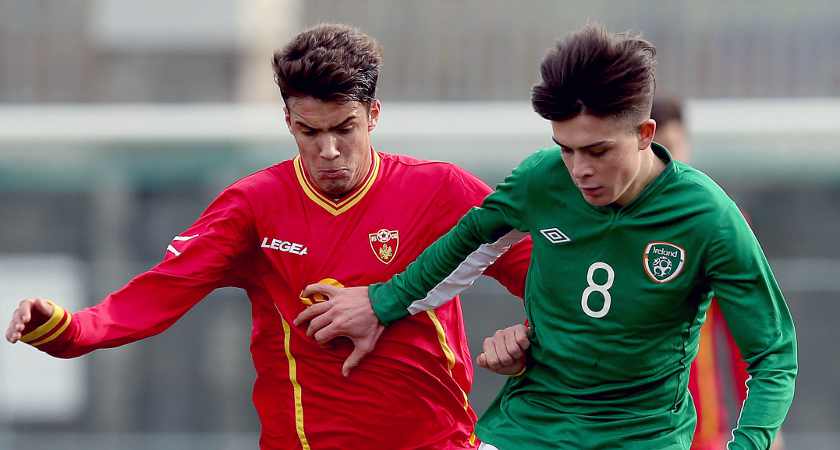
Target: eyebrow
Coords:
[(587, 146), (341, 125)]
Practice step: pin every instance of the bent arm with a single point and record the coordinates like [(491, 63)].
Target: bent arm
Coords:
[(453, 262), (762, 327)]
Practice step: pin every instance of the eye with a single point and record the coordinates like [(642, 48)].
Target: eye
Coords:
[(345, 130), (597, 153), (308, 132), (565, 150)]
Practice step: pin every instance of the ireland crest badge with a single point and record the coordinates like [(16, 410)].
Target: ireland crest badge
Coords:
[(663, 261)]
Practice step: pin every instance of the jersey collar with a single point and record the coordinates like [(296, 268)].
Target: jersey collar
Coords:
[(337, 207)]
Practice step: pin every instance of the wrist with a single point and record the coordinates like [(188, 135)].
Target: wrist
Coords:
[(50, 329), (386, 308)]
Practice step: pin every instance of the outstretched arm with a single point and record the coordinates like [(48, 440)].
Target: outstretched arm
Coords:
[(198, 261)]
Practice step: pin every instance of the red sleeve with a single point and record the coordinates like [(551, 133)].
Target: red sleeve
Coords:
[(511, 269), (197, 261), (736, 363)]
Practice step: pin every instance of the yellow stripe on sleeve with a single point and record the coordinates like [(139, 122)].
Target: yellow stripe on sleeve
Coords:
[(51, 337), (57, 315)]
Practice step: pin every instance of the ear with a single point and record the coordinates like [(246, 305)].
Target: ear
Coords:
[(646, 132), (288, 118), (373, 114)]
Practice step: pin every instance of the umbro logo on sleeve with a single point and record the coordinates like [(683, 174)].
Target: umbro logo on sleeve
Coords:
[(554, 235)]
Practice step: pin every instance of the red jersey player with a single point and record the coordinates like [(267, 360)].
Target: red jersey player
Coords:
[(339, 213)]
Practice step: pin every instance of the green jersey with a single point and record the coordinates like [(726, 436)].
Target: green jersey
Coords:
[(615, 297)]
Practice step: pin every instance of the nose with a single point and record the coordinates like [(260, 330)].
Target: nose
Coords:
[(328, 147), (581, 166)]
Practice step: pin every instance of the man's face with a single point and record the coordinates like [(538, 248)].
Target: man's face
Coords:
[(604, 156), (333, 139)]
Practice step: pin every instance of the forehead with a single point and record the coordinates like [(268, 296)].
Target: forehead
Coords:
[(585, 129), (322, 114)]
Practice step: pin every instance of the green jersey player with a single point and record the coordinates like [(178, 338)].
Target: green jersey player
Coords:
[(629, 247)]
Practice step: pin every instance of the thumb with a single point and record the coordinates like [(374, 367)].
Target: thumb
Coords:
[(44, 307), (482, 360)]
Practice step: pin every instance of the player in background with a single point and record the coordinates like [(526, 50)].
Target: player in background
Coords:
[(629, 245), (339, 213), (707, 383)]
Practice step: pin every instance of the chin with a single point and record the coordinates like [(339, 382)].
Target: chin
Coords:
[(598, 201), (335, 189)]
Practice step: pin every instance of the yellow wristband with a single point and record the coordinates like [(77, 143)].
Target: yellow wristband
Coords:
[(57, 315)]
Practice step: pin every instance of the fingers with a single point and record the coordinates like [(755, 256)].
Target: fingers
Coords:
[(312, 311), (512, 346), (491, 352), (505, 351), (516, 341), (482, 360), (13, 333), (353, 360), (521, 336), (23, 313), (20, 317), (43, 306), (329, 332), (502, 353), (362, 346), (320, 288)]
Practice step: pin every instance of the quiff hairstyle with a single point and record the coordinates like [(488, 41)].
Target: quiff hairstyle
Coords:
[(593, 71), (329, 62)]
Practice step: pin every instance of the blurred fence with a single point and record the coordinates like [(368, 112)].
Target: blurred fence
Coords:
[(106, 187), (165, 50)]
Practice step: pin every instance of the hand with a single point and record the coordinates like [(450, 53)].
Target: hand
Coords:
[(504, 353), (23, 315), (779, 443), (347, 312)]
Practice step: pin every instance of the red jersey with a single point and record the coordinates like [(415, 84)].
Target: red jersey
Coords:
[(713, 429), (272, 233)]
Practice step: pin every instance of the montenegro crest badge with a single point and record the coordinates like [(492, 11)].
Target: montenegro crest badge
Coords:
[(384, 244), (663, 261)]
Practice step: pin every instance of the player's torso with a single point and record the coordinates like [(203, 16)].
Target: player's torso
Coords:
[(304, 239), (617, 300)]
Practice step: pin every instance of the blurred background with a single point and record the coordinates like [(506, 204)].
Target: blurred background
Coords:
[(119, 121)]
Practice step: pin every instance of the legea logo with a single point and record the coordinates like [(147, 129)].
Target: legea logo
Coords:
[(284, 246)]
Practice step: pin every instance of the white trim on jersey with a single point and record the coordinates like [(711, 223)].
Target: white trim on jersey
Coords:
[(466, 273)]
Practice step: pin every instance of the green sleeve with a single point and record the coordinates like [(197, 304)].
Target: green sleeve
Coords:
[(761, 324), (500, 213)]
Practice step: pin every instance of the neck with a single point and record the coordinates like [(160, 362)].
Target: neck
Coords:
[(652, 166)]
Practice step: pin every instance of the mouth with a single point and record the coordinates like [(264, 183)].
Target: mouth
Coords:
[(333, 174), (592, 191)]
